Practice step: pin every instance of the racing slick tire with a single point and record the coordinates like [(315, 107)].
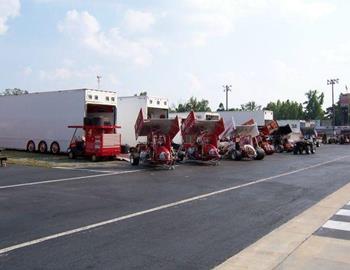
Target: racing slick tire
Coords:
[(260, 154), (236, 155), (134, 160)]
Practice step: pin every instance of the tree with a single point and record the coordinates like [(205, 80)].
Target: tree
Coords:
[(285, 110), (313, 108), (194, 105), (221, 107), (142, 93), (13, 92), (250, 106)]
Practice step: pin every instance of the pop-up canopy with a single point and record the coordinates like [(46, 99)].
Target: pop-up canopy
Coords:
[(192, 126), (283, 130), (162, 126)]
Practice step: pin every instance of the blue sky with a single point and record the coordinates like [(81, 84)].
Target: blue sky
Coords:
[(266, 49)]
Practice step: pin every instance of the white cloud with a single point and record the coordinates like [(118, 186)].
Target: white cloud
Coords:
[(69, 72), (309, 10), (85, 28), (194, 84), (27, 71), (138, 21), (210, 19), (8, 9)]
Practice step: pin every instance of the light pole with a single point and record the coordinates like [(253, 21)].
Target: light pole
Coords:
[(333, 82), (227, 88), (99, 77)]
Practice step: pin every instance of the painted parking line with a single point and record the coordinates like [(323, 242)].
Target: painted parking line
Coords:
[(337, 225), (68, 179), (158, 208), (343, 212)]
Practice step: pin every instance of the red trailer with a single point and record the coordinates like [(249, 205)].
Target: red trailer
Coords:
[(98, 141), (200, 139), (157, 150)]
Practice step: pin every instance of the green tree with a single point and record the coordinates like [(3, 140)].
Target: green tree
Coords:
[(142, 93), (13, 92), (283, 110), (221, 107), (250, 106), (195, 105), (313, 105)]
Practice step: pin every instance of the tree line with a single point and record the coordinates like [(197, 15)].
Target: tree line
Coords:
[(312, 108)]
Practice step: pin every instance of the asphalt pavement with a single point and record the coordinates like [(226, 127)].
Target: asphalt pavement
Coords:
[(193, 217)]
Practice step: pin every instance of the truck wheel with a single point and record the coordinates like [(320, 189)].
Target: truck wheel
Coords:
[(134, 160), (42, 147), (55, 148), (30, 146), (260, 154)]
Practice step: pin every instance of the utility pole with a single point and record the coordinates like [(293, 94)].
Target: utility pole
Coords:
[(227, 88), (99, 77), (333, 82)]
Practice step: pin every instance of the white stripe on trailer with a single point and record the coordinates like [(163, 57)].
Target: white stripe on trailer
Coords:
[(337, 225), (343, 212)]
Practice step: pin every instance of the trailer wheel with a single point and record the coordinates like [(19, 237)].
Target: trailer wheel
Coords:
[(30, 146), (55, 148), (42, 147)]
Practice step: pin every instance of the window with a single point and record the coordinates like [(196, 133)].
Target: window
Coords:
[(158, 102), (89, 96), (112, 99), (96, 97), (151, 101), (165, 103), (107, 98)]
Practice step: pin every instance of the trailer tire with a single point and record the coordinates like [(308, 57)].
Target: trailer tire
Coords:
[(134, 160), (31, 147), (55, 148), (42, 147)]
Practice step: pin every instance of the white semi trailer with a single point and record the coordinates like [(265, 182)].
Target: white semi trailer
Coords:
[(39, 121), (128, 110)]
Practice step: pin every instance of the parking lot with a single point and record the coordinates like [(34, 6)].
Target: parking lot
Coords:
[(123, 217)]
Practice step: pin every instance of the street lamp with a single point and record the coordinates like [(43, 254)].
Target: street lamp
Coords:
[(227, 88), (99, 77), (333, 82)]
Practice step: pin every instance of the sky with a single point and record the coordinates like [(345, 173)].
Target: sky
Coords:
[(265, 49)]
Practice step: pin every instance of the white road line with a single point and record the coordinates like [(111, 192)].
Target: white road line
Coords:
[(155, 209), (343, 212), (67, 179), (82, 169), (337, 225)]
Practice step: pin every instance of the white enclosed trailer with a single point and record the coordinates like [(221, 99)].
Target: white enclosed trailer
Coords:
[(128, 110), (241, 117), (39, 121)]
